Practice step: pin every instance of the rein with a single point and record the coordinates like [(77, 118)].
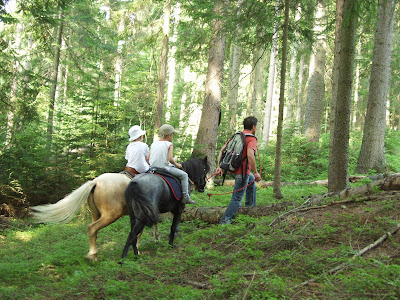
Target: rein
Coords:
[(254, 181)]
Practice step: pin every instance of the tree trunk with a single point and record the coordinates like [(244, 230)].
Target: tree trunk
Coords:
[(271, 83), (291, 90), (206, 140), (372, 153), (316, 86), (339, 152), (54, 82), (118, 63), (335, 78), (172, 67), (278, 157), (259, 88), (355, 111), (14, 87), (162, 75), (300, 93), (233, 88)]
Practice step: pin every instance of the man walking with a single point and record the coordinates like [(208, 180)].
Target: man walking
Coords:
[(245, 174)]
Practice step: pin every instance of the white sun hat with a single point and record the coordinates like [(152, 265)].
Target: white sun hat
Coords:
[(135, 132)]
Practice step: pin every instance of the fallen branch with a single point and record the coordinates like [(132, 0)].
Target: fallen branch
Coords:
[(358, 254)]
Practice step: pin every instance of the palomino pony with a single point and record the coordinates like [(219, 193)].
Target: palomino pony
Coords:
[(148, 195), (105, 197)]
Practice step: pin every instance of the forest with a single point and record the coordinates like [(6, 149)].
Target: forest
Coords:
[(321, 77)]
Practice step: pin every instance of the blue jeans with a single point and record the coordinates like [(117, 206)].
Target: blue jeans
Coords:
[(236, 200)]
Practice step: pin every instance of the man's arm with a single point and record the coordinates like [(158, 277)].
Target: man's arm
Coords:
[(219, 171), (252, 161)]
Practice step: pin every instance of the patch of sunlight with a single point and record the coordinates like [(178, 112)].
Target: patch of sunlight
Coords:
[(109, 245), (24, 236)]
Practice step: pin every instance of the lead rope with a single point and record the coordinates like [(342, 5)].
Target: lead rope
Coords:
[(209, 194)]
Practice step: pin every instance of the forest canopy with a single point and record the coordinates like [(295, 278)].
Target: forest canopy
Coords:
[(76, 75)]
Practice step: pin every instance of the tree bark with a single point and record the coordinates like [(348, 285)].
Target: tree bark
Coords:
[(316, 85), (271, 83), (14, 87), (206, 140), (335, 78), (54, 82), (162, 75), (300, 93), (172, 66), (372, 153), (259, 88), (339, 152), (278, 153), (233, 89)]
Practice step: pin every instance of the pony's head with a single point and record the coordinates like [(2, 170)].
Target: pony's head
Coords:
[(197, 170)]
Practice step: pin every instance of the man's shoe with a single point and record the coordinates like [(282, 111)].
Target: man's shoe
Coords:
[(187, 200)]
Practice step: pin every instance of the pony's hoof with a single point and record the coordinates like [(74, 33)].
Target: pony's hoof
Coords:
[(91, 257)]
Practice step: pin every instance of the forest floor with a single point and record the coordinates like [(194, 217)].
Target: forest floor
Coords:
[(306, 254)]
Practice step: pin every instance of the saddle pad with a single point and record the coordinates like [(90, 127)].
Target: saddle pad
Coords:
[(173, 184)]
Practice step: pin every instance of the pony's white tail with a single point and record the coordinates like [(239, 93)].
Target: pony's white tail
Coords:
[(64, 210)]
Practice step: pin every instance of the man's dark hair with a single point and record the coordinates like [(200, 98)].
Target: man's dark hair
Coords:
[(249, 122)]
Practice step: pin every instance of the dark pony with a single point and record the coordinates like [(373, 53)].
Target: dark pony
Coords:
[(148, 195)]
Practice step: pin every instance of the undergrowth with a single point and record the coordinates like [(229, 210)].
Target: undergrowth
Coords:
[(249, 259)]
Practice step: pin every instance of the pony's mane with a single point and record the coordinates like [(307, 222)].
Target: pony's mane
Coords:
[(194, 167)]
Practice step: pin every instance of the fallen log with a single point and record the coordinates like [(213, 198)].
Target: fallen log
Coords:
[(213, 214), (264, 184), (391, 182)]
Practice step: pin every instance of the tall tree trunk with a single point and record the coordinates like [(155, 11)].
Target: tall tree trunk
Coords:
[(118, 62), (259, 88), (176, 11), (372, 153), (355, 111), (206, 140), (271, 82), (291, 103), (14, 87), (300, 94), (316, 86), (233, 88), (338, 172), (54, 82), (162, 75), (251, 104), (292, 99), (335, 78), (278, 156)]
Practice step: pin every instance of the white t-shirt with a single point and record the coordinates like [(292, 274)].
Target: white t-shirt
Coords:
[(136, 153), (159, 154)]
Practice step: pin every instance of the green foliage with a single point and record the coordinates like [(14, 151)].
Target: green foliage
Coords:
[(248, 259), (392, 147)]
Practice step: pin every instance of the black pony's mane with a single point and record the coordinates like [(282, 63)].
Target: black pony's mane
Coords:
[(195, 168)]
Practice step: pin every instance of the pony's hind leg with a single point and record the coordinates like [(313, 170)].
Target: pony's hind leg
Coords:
[(133, 237), (174, 227), (93, 228)]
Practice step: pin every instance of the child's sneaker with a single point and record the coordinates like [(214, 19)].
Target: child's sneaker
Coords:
[(187, 200)]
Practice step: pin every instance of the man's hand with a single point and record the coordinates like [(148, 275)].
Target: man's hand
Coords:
[(257, 176), (219, 171), (178, 165)]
